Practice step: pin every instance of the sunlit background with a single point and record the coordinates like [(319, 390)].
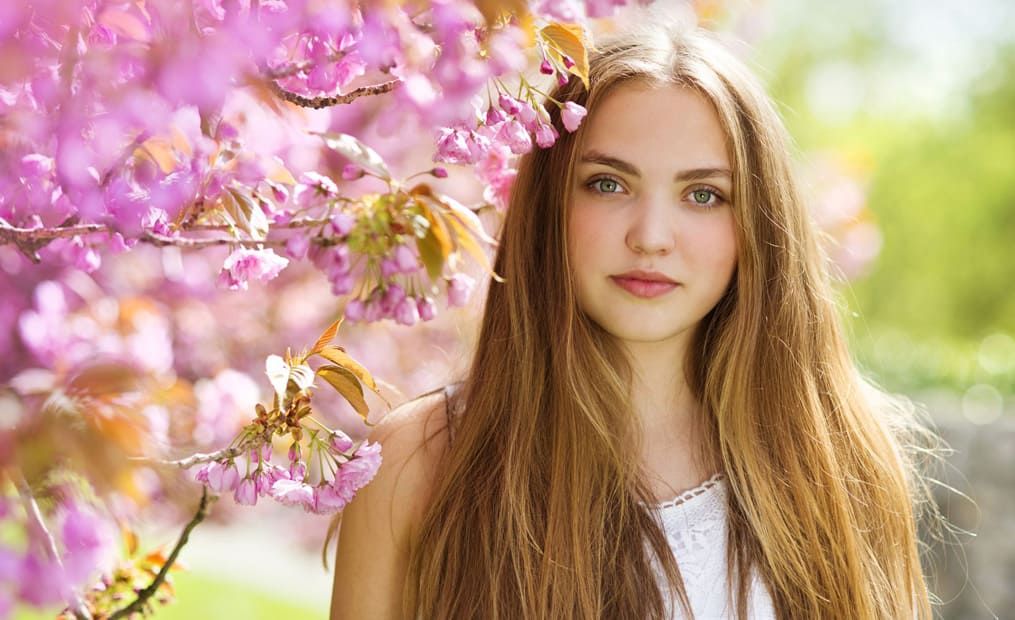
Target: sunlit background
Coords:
[(903, 112)]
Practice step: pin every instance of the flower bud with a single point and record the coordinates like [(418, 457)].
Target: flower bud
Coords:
[(351, 172), (440, 173), (354, 310)]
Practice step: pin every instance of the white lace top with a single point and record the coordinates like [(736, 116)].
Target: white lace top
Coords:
[(695, 524)]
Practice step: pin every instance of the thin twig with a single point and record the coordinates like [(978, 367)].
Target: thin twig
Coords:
[(147, 593), (193, 459), (75, 605), (327, 102)]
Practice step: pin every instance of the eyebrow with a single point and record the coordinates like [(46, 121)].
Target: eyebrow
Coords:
[(693, 174)]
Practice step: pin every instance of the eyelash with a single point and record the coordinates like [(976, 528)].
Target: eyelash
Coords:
[(716, 194)]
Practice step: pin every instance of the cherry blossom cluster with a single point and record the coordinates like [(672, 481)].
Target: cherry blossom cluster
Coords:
[(50, 566), (336, 473)]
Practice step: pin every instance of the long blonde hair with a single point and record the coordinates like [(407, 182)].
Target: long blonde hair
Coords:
[(541, 510)]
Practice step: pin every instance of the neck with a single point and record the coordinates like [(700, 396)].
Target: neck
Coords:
[(667, 412)]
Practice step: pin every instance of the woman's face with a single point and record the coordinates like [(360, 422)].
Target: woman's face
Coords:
[(651, 234)]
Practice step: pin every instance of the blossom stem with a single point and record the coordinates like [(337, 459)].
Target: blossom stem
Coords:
[(326, 102), (76, 605), (147, 593)]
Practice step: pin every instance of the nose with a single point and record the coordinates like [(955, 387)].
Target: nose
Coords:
[(650, 229)]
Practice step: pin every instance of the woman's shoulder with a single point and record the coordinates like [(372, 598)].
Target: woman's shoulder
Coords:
[(413, 438)]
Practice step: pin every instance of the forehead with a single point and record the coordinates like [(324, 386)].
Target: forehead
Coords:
[(657, 128)]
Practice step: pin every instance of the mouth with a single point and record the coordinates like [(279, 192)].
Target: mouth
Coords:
[(645, 284)]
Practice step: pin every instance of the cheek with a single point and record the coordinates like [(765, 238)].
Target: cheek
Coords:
[(586, 235), (714, 247)]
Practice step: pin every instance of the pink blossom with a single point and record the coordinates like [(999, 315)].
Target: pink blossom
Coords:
[(354, 310), (358, 472), (439, 172), (392, 297), (388, 267), (342, 284), (293, 493), (351, 172), (87, 541), (509, 104), (42, 582), (296, 247), (527, 115), (515, 136), (331, 499), (246, 492), (245, 264), (452, 147), (406, 312), (405, 259), (494, 116), (339, 442), (603, 8), (572, 114), (350, 67), (545, 67), (297, 470), (546, 135), (427, 308), (374, 311), (223, 478), (459, 288)]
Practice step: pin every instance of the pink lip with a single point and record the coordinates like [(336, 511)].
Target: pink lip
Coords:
[(645, 284)]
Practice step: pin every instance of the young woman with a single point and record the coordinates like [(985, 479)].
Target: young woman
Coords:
[(662, 418)]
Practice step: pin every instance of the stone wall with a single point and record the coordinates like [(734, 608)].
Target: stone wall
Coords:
[(973, 567)]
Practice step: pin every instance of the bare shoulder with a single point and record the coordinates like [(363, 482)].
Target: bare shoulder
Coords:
[(413, 438), (378, 525)]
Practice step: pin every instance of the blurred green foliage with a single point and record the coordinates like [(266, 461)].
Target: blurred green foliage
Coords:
[(200, 596), (941, 189)]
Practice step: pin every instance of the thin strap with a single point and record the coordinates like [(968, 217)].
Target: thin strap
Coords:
[(692, 493)]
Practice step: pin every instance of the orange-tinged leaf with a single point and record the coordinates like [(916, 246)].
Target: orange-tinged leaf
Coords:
[(465, 240), (125, 24), (467, 216), (160, 152), (326, 338), (495, 10), (339, 357), (569, 40), (346, 384), (129, 540), (280, 174)]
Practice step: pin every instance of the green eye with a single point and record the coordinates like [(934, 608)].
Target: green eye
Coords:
[(606, 186), (702, 196)]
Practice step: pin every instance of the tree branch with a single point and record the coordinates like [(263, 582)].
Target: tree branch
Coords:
[(147, 593), (193, 459), (327, 102), (76, 605), (39, 237)]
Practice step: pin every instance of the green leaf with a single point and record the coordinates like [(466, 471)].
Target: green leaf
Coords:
[(430, 252), (326, 338), (357, 152), (346, 384)]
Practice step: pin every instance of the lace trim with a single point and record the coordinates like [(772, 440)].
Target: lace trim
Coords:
[(692, 493)]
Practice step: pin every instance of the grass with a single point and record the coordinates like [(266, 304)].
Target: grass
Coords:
[(200, 596)]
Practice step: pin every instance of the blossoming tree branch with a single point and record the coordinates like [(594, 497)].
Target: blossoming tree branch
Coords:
[(145, 139)]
